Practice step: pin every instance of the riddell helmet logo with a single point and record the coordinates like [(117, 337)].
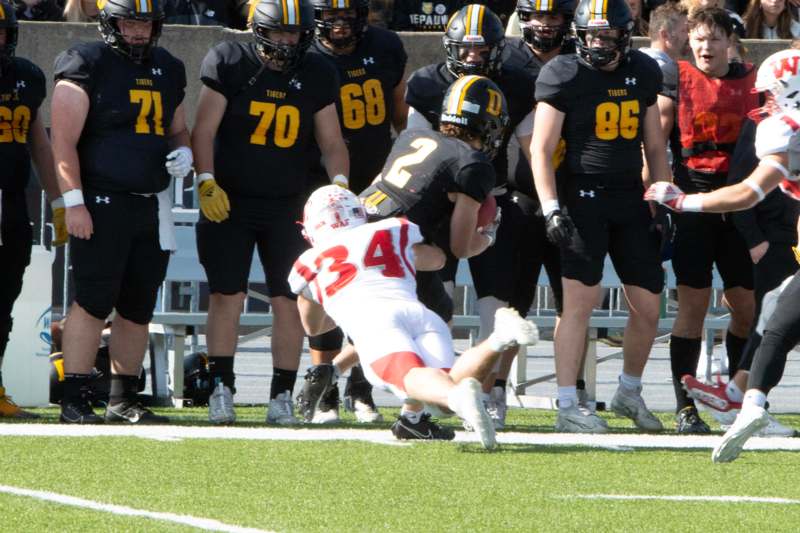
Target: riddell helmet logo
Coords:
[(453, 119)]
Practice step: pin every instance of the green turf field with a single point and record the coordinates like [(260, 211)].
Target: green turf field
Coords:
[(359, 486)]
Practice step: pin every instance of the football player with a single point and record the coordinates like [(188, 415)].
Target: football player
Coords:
[(117, 115), (263, 105), (362, 276), (602, 100), (371, 63), (777, 146), (707, 129), (22, 138)]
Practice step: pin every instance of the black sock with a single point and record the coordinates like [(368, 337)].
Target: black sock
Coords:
[(684, 354), (735, 347), (500, 383), (282, 381), (580, 384), (123, 389), (221, 371), (75, 387), (357, 375)]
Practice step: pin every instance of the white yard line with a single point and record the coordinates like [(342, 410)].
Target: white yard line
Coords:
[(614, 441), (724, 499), (206, 524)]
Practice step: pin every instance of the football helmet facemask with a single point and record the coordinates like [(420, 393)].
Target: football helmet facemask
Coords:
[(329, 209), (112, 11), (267, 16), (474, 26), (477, 104), (544, 37), (591, 17), (351, 12)]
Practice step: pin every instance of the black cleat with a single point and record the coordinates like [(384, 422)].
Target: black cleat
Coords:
[(358, 400), (133, 413), (690, 423), (78, 412), (319, 380), (425, 429)]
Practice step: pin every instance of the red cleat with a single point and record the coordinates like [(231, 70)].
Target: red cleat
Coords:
[(713, 396)]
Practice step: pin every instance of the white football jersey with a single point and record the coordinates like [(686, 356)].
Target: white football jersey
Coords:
[(356, 269), (776, 134)]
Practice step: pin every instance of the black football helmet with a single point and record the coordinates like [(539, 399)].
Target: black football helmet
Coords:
[(545, 38), (602, 15), (474, 25), (358, 24), (280, 15), (8, 21), (196, 379), (477, 104), (111, 11)]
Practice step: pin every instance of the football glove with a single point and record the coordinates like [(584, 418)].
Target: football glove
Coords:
[(179, 162), (213, 201), (667, 194), (341, 180), (59, 222), (664, 226), (559, 228), (796, 251), (490, 229)]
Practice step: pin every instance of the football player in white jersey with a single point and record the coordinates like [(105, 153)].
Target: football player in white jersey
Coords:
[(361, 277), (778, 148)]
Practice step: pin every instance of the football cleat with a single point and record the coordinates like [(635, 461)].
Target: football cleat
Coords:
[(133, 413), (713, 396), (8, 409), (688, 422), (425, 429), (466, 399), (220, 406), (750, 421), (497, 407), (776, 429), (574, 419), (318, 381), (78, 412), (358, 400), (510, 330), (281, 410), (328, 410), (630, 404)]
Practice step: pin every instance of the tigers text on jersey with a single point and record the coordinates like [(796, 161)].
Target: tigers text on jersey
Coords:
[(22, 90), (357, 268), (131, 106), (424, 166), (604, 110), (368, 78), (263, 144), (427, 86)]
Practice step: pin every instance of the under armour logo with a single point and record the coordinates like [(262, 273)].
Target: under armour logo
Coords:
[(368, 60), (21, 84), (156, 72), (102, 200), (630, 81), (294, 82), (583, 193)]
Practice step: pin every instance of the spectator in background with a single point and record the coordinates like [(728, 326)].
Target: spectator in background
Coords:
[(736, 51), (420, 15), (39, 10), (639, 22), (738, 24), (201, 12), (81, 11), (770, 19)]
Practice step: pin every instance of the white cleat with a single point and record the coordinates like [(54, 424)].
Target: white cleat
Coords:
[(776, 429), (511, 329), (497, 407), (331, 416), (466, 399), (574, 419), (220, 406), (750, 421), (630, 404), (281, 410), (365, 413)]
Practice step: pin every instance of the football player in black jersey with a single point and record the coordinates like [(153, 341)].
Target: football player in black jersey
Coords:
[(371, 63), (602, 100), (117, 115), (262, 107), (22, 138)]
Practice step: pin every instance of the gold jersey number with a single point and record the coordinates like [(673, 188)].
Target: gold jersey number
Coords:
[(614, 120), (151, 110), (363, 104), (14, 124), (284, 121)]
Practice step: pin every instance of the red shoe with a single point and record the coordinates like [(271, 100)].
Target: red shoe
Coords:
[(713, 396)]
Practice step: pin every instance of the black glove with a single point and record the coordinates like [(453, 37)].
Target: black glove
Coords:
[(559, 228), (664, 224)]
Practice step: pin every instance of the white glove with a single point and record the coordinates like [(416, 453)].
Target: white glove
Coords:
[(666, 194), (179, 162)]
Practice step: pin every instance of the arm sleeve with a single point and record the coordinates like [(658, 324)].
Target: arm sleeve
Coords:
[(774, 135), (550, 88), (742, 163), (327, 83), (72, 65), (213, 70), (476, 180)]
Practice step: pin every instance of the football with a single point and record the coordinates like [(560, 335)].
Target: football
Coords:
[(486, 212)]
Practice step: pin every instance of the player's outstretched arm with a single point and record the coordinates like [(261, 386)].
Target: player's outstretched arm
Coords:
[(314, 318), (465, 239), (428, 257)]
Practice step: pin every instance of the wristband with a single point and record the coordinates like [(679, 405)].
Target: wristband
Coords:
[(205, 176), (750, 182), (548, 206), (72, 198), (340, 180), (777, 166), (692, 203), (58, 203)]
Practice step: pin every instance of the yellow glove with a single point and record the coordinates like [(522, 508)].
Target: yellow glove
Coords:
[(213, 200), (796, 253), (558, 155), (59, 222)]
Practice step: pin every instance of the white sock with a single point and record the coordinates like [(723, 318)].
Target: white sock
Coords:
[(733, 391), (412, 416), (630, 382), (567, 397), (754, 397)]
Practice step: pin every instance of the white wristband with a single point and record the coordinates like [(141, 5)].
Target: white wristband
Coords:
[(548, 206), (205, 176), (777, 166), (58, 203), (72, 198), (692, 203), (340, 180), (750, 182)]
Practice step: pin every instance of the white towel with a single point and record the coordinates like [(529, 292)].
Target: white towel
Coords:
[(166, 225)]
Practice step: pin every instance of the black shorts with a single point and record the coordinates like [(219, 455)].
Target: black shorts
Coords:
[(616, 221), (431, 293), (122, 265), (270, 226), (703, 240), (15, 251)]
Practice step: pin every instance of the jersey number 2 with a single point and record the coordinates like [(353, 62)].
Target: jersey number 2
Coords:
[(151, 103), (398, 175), (613, 120)]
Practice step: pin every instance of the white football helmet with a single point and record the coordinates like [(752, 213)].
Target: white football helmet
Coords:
[(779, 75), (328, 209)]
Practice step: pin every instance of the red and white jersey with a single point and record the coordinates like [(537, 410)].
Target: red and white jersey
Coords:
[(777, 134), (358, 268)]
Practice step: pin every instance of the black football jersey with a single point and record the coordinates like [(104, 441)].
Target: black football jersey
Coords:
[(424, 166), (368, 78), (427, 86), (265, 143), (22, 90), (604, 111), (124, 140)]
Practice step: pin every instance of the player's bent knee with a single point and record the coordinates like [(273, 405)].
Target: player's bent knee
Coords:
[(330, 341)]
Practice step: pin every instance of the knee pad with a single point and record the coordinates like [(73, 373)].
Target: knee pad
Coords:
[(326, 342), (137, 303)]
